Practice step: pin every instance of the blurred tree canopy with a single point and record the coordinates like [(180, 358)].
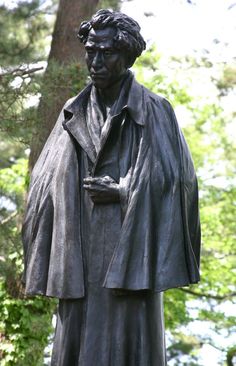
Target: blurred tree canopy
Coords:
[(30, 99)]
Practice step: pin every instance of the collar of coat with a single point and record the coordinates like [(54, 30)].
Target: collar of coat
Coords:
[(133, 102), (132, 98)]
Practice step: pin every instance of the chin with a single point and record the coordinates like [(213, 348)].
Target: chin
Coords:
[(99, 85)]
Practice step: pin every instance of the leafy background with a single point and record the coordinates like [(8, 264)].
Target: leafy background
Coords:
[(36, 77)]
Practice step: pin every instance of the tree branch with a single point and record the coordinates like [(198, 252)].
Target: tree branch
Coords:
[(207, 295), (9, 218), (21, 72)]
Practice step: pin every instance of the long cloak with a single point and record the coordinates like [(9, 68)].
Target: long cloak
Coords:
[(159, 241), (108, 263), (108, 327)]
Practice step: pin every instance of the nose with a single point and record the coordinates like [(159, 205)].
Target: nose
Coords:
[(98, 60)]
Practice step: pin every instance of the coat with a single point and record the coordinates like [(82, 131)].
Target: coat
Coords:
[(159, 246)]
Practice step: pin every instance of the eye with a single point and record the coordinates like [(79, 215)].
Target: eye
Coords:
[(108, 52), (90, 51)]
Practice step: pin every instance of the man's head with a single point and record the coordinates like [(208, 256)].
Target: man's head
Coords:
[(113, 42)]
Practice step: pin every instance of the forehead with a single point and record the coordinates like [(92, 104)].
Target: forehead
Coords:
[(101, 37)]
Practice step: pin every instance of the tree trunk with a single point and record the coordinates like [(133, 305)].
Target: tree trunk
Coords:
[(231, 354), (65, 65)]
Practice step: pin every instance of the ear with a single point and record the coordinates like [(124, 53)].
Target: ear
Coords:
[(130, 61)]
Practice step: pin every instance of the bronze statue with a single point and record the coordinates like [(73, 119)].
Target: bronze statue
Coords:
[(112, 217)]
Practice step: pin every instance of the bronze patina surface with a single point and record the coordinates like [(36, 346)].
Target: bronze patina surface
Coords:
[(112, 216)]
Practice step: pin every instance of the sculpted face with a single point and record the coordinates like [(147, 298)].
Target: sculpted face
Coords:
[(105, 63)]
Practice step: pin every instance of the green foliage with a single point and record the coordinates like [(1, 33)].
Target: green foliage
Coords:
[(24, 37), (70, 77), (183, 345), (227, 82), (25, 324), (175, 309), (15, 88), (149, 71), (109, 4), (12, 190), (10, 150), (24, 329), (12, 181), (23, 31)]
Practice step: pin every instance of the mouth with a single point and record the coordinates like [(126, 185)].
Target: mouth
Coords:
[(98, 76)]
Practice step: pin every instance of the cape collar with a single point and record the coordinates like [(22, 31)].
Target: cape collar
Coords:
[(75, 121), (136, 104), (133, 101)]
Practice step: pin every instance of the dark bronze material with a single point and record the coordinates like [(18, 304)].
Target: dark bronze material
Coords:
[(112, 216)]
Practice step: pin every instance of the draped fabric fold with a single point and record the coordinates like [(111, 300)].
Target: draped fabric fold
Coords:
[(162, 209)]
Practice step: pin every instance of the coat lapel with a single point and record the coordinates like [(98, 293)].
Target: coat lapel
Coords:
[(75, 123)]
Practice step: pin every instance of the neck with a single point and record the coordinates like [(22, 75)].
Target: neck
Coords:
[(110, 94)]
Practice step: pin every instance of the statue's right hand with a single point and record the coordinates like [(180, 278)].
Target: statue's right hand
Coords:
[(102, 189)]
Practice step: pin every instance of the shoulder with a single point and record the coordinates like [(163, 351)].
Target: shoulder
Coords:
[(158, 107), (157, 100), (70, 101), (73, 103), (150, 104), (160, 116)]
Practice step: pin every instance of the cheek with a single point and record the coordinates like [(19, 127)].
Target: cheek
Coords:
[(122, 64), (119, 66), (88, 61)]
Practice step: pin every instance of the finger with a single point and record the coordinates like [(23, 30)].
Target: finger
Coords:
[(108, 179), (96, 185), (93, 181), (92, 189), (98, 179), (87, 186), (88, 180), (93, 184)]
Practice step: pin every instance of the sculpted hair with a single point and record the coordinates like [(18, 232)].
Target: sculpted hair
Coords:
[(128, 37)]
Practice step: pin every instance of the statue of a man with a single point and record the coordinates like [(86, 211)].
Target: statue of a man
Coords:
[(112, 217)]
